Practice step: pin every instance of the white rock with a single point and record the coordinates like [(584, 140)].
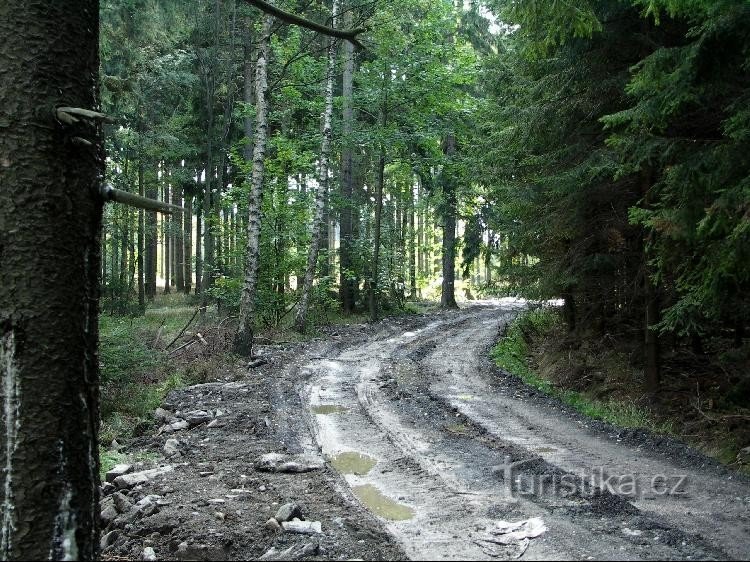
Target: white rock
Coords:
[(171, 448), (118, 470), (303, 527), (149, 554), (136, 478)]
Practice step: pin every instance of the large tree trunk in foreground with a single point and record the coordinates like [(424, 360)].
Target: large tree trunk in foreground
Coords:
[(244, 338), (319, 221), (50, 221)]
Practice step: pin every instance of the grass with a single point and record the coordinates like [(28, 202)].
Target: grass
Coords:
[(512, 354), (136, 374)]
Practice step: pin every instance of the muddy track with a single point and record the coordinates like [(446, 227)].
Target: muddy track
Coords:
[(434, 440)]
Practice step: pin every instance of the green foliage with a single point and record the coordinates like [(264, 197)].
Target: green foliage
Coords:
[(122, 350), (512, 355)]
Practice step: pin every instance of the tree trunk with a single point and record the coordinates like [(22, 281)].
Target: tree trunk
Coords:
[(412, 250), (652, 370), (179, 239), (447, 296), (319, 223), (199, 234), (152, 192), (50, 224), (188, 240), (376, 243), (141, 238), (166, 222), (244, 338)]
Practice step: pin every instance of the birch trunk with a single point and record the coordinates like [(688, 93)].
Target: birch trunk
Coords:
[(244, 338), (321, 193)]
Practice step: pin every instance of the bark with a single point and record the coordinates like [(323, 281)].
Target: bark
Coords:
[(141, 239), (652, 370), (151, 242), (447, 296), (188, 240), (376, 243), (244, 338), (199, 234), (412, 250), (167, 236), (179, 240), (50, 224), (321, 194), (346, 289)]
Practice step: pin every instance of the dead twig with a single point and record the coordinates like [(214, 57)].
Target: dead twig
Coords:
[(178, 336)]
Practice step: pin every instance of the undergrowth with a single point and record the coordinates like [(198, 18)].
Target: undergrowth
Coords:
[(512, 354)]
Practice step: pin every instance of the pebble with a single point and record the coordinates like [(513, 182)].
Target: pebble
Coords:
[(272, 524)]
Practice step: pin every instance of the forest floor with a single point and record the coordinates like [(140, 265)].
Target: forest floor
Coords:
[(417, 446)]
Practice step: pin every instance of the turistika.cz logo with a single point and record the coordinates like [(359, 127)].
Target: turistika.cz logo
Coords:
[(523, 482)]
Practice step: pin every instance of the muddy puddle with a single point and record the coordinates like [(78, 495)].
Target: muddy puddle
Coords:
[(381, 505), (352, 462), (327, 409)]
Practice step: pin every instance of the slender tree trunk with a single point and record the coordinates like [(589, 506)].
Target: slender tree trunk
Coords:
[(412, 250), (179, 240), (319, 223), (652, 370), (151, 242), (131, 257), (167, 235), (141, 238), (188, 240), (374, 274), (447, 296), (50, 225), (200, 199), (244, 337), (346, 289)]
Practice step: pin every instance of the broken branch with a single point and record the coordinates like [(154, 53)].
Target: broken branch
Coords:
[(70, 115), (109, 193), (347, 34)]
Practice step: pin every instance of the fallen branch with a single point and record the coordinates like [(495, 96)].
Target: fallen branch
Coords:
[(178, 336), (183, 346)]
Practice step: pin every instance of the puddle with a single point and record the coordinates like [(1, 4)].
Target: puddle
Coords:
[(326, 409), (353, 463), (381, 505), (457, 428), (545, 450)]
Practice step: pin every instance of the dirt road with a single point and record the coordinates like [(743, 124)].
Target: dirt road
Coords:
[(441, 445), (428, 446)]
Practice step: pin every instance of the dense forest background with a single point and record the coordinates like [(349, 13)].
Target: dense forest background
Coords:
[(595, 152)]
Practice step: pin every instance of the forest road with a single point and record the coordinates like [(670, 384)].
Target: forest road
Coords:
[(441, 445)]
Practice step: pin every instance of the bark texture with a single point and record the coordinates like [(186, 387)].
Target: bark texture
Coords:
[(50, 223), (319, 220), (448, 294), (244, 338)]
